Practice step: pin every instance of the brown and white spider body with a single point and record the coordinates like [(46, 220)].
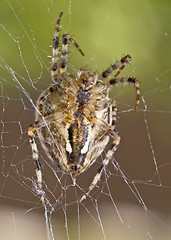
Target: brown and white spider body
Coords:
[(75, 118)]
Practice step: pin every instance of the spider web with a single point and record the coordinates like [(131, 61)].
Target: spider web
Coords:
[(132, 200)]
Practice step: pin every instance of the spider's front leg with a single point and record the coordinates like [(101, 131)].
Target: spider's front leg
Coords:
[(31, 134), (55, 51), (123, 80), (105, 162), (114, 81)]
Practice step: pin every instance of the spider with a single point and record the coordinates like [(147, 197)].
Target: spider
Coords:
[(75, 118)]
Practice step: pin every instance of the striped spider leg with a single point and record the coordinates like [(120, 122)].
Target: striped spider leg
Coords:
[(111, 151), (114, 81), (35, 156), (63, 63)]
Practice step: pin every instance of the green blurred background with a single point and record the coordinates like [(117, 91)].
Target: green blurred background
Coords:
[(105, 31)]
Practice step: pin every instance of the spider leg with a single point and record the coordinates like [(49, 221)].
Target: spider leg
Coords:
[(123, 80), (111, 127), (31, 134), (105, 162), (114, 112), (65, 39), (121, 64), (55, 51)]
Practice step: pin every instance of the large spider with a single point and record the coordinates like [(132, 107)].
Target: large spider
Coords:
[(75, 118)]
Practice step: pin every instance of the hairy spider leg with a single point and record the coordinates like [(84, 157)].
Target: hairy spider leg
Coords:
[(123, 80), (65, 39), (121, 64), (109, 154), (35, 155), (55, 50), (104, 164)]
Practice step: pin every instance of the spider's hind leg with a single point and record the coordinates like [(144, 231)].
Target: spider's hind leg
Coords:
[(35, 155), (104, 164)]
